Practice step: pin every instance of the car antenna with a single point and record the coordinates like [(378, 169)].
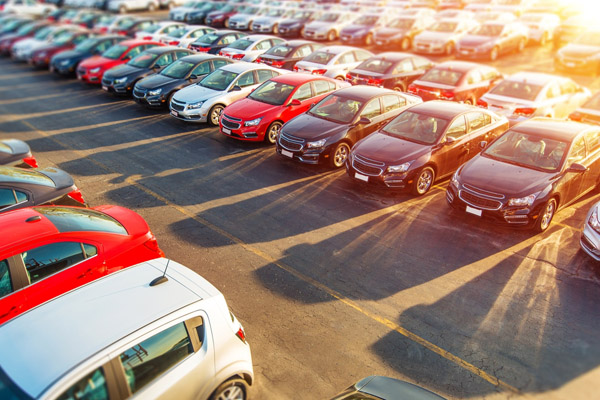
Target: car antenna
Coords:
[(161, 279)]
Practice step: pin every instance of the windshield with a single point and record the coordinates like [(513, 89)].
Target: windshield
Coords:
[(207, 38), (203, 6), (241, 44), (319, 57), (43, 33), (125, 24), (218, 80), (143, 60), (11, 25), (281, 50), (377, 65), (272, 93), (115, 51), (415, 127), (402, 23), (337, 109), (177, 33), (105, 20), (516, 89), (528, 151), (178, 70), (24, 30), (329, 17), (63, 38), (366, 20), (151, 29), (443, 27), (443, 76), (589, 39), (87, 45), (491, 30)]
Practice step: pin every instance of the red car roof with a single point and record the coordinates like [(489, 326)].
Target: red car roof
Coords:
[(15, 223)]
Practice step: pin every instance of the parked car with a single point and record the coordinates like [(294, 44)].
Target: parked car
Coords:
[(220, 18), (442, 36), (124, 6), (460, 81), (158, 30), (516, 7), (92, 69), (24, 32), (177, 338), (570, 29), (205, 101), (194, 12), (589, 112), (249, 48), (326, 132), (534, 169), (22, 50), (590, 237), (293, 26), (481, 5), (530, 94), (384, 388), (423, 144), (40, 57), (122, 78), (360, 31), (260, 115), (157, 90), (213, 42), (454, 14), (401, 31), (392, 70), (129, 27), (541, 26), (184, 36), (286, 55), (328, 25), (497, 16), (333, 61), (582, 56), (66, 62), (269, 22), (60, 248), (492, 39), (16, 153), (243, 19), (28, 7)]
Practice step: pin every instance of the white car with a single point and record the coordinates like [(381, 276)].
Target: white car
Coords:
[(129, 334), (124, 6), (333, 61), (185, 35), (158, 30), (541, 26), (204, 101), (269, 23), (244, 18), (328, 26), (22, 50), (28, 7), (441, 37), (248, 48)]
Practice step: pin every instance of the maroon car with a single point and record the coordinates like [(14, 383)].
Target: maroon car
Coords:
[(460, 81), (40, 58), (24, 32), (220, 18)]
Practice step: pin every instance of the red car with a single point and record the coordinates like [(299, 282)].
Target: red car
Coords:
[(92, 69), (47, 251), (460, 81), (24, 32), (260, 115), (65, 41)]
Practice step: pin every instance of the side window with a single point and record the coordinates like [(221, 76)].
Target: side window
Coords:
[(8, 197), (264, 45), (302, 52), (392, 102), (421, 63), (458, 128), (593, 141), (171, 29), (92, 386), (303, 93), (202, 69), (46, 260), (179, 54), (104, 45), (346, 58), (90, 250), (5, 282), (165, 59), (474, 77), (553, 91), (265, 75), (219, 63), (404, 66), (226, 40), (476, 120), (489, 74), (321, 87), (197, 34), (149, 359), (134, 52), (577, 152), (79, 39), (372, 109), (246, 79)]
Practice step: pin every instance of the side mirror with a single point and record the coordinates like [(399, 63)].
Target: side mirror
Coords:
[(193, 77), (449, 141), (295, 102), (236, 88), (313, 105), (483, 144), (363, 121), (577, 168)]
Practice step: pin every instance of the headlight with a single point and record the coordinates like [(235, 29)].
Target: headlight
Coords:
[(316, 145), (593, 220), (399, 168), (95, 70), (120, 80), (454, 180), (194, 106), (254, 122), (154, 92), (522, 201)]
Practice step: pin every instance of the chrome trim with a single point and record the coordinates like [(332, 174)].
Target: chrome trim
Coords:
[(291, 139), (368, 162), (476, 205)]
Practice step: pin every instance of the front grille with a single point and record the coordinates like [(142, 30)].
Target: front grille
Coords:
[(229, 117), (482, 192), (585, 242), (106, 82), (290, 142), (478, 201), (367, 166), (229, 124), (138, 93), (177, 107)]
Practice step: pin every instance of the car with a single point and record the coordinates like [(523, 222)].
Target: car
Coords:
[(22, 50), (529, 173), (529, 94), (401, 30), (481, 5), (293, 26), (541, 26), (391, 70), (454, 14), (249, 48), (243, 19), (28, 7), (423, 144), (286, 55), (582, 56), (260, 115), (183, 36), (269, 22), (589, 112), (492, 39), (590, 236), (326, 132), (56, 249), (384, 388), (570, 29), (105, 21), (333, 61), (213, 42), (40, 57), (92, 69), (124, 6), (442, 36), (193, 12), (461, 81), (498, 16), (517, 7), (158, 30), (205, 101), (24, 32), (157, 90), (328, 26), (129, 27), (360, 31), (15, 152), (122, 78), (66, 62), (88, 18), (220, 18)]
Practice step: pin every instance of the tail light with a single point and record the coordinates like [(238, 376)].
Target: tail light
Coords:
[(348, 76), (174, 42), (83, 25), (237, 56), (31, 161), (77, 196), (318, 71), (241, 334), (375, 82), (258, 60), (152, 244), (204, 49), (482, 103), (575, 116), (220, 53), (104, 29), (412, 89), (446, 95), (147, 38), (524, 111), (295, 68), (122, 33), (277, 64)]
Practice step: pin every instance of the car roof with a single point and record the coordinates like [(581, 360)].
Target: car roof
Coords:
[(443, 109), (536, 78), (298, 78), (196, 58), (239, 67), (27, 337), (395, 56), (337, 49), (16, 222), (553, 128), (363, 92), (462, 66), (162, 49)]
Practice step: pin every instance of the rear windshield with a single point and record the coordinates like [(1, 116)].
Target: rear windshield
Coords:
[(376, 65), (443, 76), (516, 89), (18, 175), (80, 219), (241, 44), (281, 50), (319, 57)]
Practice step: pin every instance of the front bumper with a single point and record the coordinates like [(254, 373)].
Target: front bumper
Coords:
[(234, 128), (110, 86), (142, 97), (60, 69), (241, 25), (289, 32), (315, 35), (262, 28), (88, 77), (590, 242), (181, 111), (374, 174), (473, 53), (429, 48), (350, 39), (295, 149)]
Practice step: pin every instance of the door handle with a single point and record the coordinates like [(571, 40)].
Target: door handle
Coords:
[(85, 273)]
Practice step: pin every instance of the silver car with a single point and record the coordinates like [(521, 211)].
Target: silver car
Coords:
[(248, 48), (158, 30), (441, 37), (541, 26), (333, 61), (269, 23), (243, 19), (22, 50), (328, 25), (185, 35), (590, 237), (124, 6), (204, 101)]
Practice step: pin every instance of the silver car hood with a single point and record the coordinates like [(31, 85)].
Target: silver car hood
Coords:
[(196, 93)]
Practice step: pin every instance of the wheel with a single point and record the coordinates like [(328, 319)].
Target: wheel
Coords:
[(405, 44), (423, 182), (215, 114), (151, 7), (122, 9), (494, 54), (470, 101), (369, 39), (449, 49), (340, 78), (339, 154), (226, 23), (545, 217), (272, 132), (233, 389), (400, 87), (331, 35), (522, 44), (275, 29)]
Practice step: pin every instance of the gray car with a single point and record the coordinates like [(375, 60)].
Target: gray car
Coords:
[(328, 26), (15, 152), (384, 388), (333, 61), (269, 23), (243, 20), (590, 237), (248, 48)]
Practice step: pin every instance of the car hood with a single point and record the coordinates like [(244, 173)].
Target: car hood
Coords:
[(17, 146), (389, 149), (61, 179), (97, 61), (250, 109), (123, 70), (353, 29), (312, 128), (579, 50), (320, 25), (429, 36), (156, 81), (475, 40), (70, 54), (195, 93), (389, 32)]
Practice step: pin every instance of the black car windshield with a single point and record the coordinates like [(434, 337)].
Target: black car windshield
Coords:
[(376, 65), (367, 20), (281, 50), (218, 80), (337, 109), (517, 89), (115, 51), (87, 45), (415, 127), (319, 57), (443, 76), (530, 151), (143, 60), (491, 30), (178, 70), (402, 23), (67, 219), (443, 26), (43, 33), (329, 17), (19, 175), (241, 44), (207, 38), (270, 92), (589, 39)]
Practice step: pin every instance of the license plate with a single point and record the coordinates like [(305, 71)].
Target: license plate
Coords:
[(361, 177), (473, 211), (174, 113), (105, 88), (227, 131), (287, 153)]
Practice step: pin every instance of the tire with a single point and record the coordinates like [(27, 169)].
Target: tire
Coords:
[(423, 182), (331, 35), (233, 389), (339, 155), (272, 132), (449, 49), (214, 114), (340, 78), (151, 7), (470, 101), (275, 29), (494, 54), (226, 23), (369, 39), (405, 44), (545, 217), (522, 44)]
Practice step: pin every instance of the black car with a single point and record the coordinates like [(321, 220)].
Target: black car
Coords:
[(286, 55), (391, 70), (384, 388), (294, 26), (16, 153), (66, 62), (130, 27), (212, 42), (401, 31), (33, 187), (327, 131), (589, 112), (122, 78), (156, 90)]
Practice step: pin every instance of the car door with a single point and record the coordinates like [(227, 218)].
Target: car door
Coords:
[(305, 95), (223, 42), (454, 148), (345, 62), (12, 279), (572, 182), (372, 111), (200, 71)]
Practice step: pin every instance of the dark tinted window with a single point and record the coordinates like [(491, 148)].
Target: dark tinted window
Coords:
[(79, 219), (165, 59), (7, 198), (219, 63), (593, 140), (5, 282), (392, 102), (90, 387), (303, 93), (246, 79), (46, 260), (202, 69), (90, 250), (265, 74)]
